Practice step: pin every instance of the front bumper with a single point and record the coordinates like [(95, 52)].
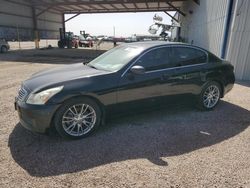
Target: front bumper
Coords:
[(36, 118)]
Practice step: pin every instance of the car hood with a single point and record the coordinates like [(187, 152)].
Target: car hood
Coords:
[(59, 75)]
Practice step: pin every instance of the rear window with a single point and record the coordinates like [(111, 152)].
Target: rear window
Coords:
[(213, 58), (188, 56)]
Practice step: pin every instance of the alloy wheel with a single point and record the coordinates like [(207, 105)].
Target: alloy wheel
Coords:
[(211, 96), (79, 119)]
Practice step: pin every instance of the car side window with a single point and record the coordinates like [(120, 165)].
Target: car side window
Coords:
[(181, 56), (155, 59)]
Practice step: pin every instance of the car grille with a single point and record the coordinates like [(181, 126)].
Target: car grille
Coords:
[(22, 94)]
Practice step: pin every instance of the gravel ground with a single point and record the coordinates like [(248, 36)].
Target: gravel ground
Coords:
[(44, 43), (177, 147)]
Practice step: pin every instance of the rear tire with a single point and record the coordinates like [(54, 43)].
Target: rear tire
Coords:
[(209, 96), (4, 49), (60, 44), (77, 118)]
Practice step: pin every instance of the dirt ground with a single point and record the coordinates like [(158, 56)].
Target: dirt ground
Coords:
[(171, 147)]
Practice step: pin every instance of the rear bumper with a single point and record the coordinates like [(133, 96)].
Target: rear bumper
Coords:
[(36, 118), (229, 83)]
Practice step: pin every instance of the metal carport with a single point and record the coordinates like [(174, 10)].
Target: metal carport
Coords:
[(78, 7)]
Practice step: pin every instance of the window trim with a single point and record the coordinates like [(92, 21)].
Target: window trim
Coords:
[(185, 66), (170, 46)]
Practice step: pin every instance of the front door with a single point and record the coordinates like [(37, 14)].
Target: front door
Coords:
[(156, 82)]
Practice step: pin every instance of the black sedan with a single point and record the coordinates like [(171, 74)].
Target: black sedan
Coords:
[(75, 98)]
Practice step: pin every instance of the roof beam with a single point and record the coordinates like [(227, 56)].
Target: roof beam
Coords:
[(92, 2), (111, 6), (115, 11), (90, 6), (176, 9), (72, 17), (136, 7), (68, 6), (124, 5), (146, 2), (197, 2), (44, 10), (103, 7), (171, 16)]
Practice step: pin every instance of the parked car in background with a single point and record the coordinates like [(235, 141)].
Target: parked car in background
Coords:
[(4, 46), (131, 39), (102, 37), (75, 99), (85, 42)]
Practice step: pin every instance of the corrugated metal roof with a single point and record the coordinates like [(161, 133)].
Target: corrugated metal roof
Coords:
[(106, 6)]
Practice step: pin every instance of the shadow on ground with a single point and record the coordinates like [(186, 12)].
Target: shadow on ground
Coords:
[(150, 135), (243, 83), (51, 56)]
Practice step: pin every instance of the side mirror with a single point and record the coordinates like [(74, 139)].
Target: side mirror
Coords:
[(137, 69)]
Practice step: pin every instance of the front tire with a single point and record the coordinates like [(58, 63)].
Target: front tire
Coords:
[(77, 118), (209, 96)]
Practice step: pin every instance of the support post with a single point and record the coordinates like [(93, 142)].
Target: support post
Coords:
[(63, 21), (226, 28), (35, 30)]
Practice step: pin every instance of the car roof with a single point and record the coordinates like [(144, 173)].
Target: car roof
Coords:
[(150, 44)]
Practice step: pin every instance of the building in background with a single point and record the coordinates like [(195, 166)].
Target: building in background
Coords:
[(221, 26), (17, 21)]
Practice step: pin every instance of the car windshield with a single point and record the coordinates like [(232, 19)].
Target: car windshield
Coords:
[(113, 60)]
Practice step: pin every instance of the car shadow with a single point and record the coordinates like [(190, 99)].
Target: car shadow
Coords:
[(151, 135), (243, 83)]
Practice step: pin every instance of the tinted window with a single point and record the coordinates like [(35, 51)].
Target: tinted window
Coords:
[(213, 58), (155, 59), (182, 56)]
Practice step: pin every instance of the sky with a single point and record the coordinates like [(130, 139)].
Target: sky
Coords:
[(125, 24)]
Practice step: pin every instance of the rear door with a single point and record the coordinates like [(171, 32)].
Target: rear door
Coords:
[(190, 62)]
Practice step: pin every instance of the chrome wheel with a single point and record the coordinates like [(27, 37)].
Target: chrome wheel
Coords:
[(211, 96), (79, 119)]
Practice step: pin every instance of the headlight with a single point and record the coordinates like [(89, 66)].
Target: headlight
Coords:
[(43, 96)]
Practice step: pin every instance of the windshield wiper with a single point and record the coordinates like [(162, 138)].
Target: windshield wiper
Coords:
[(85, 62), (92, 66)]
